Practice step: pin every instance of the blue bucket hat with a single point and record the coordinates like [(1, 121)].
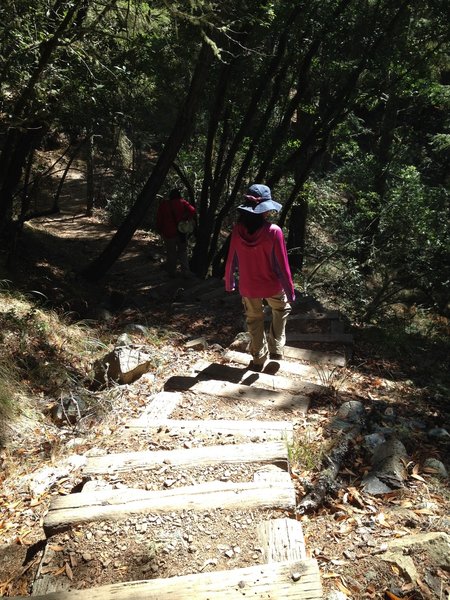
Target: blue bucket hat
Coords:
[(259, 200)]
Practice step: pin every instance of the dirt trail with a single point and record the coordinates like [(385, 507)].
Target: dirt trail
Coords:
[(346, 538)]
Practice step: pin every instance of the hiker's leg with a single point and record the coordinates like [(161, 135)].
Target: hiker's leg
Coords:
[(281, 308), (182, 254), (171, 255), (254, 313)]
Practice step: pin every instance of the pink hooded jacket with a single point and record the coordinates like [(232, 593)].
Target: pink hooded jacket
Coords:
[(261, 259)]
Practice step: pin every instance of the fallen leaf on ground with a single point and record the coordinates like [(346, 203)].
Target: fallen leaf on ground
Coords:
[(391, 595), (68, 570)]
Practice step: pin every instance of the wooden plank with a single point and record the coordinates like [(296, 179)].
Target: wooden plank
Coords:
[(286, 366), (268, 452), (278, 430), (217, 293), (202, 286), (107, 498), (45, 583), (246, 393), (315, 356), (315, 321), (206, 370), (161, 406), (337, 327), (315, 316), (320, 338), (291, 580), (75, 509), (270, 474), (281, 540), (232, 298)]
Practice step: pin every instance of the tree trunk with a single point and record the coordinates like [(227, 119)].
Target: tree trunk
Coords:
[(15, 153), (90, 194), (124, 234), (55, 207), (18, 143), (297, 235), (253, 120), (302, 85), (220, 259)]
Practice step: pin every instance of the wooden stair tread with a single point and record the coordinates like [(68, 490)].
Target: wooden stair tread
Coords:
[(307, 371), (207, 370), (224, 389), (210, 295), (327, 315), (315, 356), (271, 452), (201, 287), (267, 429), (289, 580), (161, 405), (322, 338), (281, 540), (84, 507)]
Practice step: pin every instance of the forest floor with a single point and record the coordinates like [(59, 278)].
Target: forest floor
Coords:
[(348, 534)]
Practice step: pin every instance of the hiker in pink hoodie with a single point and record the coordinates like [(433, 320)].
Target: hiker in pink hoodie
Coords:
[(258, 253)]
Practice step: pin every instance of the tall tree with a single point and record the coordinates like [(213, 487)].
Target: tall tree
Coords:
[(26, 125), (165, 160)]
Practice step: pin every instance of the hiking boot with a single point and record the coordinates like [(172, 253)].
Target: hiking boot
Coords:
[(275, 356), (257, 366)]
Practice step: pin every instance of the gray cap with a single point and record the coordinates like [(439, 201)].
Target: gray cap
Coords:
[(259, 200)]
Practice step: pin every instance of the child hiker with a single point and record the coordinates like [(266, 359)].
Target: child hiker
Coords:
[(258, 253)]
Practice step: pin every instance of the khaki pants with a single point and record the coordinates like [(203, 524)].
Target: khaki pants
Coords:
[(176, 251), (260, 344)]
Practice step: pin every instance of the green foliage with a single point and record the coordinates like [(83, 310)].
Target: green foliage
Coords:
[(367, 273), (333, 378), (359, 84), (306, 453), (121, 197)]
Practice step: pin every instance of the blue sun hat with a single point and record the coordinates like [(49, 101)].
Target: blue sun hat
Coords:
[(258, 199)]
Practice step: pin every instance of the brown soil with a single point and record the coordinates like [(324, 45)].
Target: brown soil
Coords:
[(347, 534)]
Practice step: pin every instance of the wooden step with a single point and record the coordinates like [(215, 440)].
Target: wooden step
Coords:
[(268, 452), (315, 356), (330, 315), (161, 405), (289, 580), (264, 430), (202, 287), (75, 509), (307, 372), (281, 539), (337, 327), (224, 389), (206, 370), (215, 293), (301, 354), (320, 338)]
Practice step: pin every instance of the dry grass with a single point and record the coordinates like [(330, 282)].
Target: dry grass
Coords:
[(43, 354)]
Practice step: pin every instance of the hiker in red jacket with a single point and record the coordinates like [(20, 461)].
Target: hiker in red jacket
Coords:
[(258, 252), (171, 212)]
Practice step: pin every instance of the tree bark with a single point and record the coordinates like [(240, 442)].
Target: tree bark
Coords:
[(22, 136), (326, 482), (90, 192), (297, 235), (253, 121), (125, 232)]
